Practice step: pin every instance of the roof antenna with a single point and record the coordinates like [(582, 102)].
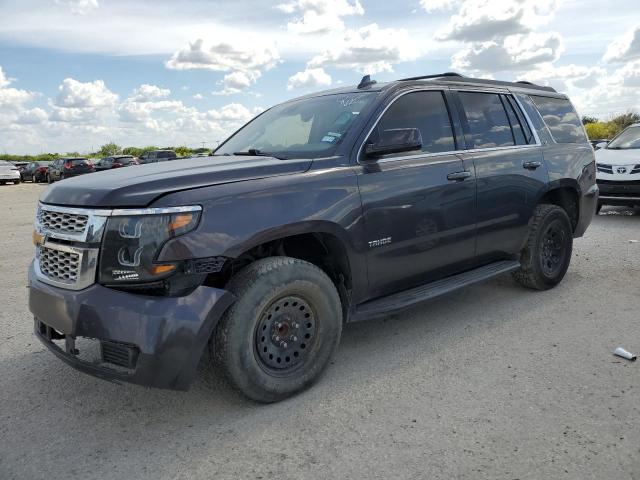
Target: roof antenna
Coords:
[(366, 82)]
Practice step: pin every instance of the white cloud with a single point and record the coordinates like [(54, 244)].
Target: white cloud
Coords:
[(75, 94), (198, 96), (625, 47), (236, 82), (483, 20), (32, 116), (515, 52), (14, 99), (4, 80), (311, 77), (319, 16), (370, 49), (79, 7), (436, 5), (148, 93), (224, 57), (565, 78)]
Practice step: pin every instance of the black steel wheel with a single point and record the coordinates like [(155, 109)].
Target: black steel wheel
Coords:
[(547, 253), (279, 335), (285, 335), (553, 249)]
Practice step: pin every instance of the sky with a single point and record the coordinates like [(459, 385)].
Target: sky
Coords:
[(75, 74)]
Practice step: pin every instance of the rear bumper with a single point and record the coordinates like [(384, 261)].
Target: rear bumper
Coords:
[(619, 193), (164, 336)]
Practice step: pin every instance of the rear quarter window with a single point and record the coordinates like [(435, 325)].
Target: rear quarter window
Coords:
[(560, 118)]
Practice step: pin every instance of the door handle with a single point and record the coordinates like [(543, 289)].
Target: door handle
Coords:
[(458, 176), (531, 165)]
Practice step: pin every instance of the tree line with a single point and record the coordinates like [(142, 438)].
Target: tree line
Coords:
[(106, 150), (607, 129)]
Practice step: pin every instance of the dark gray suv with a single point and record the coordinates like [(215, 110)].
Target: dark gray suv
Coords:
[(340, 206)]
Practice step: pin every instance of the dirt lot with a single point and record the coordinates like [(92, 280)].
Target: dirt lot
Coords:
[(491, 382)]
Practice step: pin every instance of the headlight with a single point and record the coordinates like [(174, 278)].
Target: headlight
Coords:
[(133, 239)]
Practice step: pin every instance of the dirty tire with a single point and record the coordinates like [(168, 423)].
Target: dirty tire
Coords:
[(547, 253), (260, 288)]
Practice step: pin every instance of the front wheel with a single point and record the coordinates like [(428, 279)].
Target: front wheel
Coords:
[(547, 253), (281, 332)]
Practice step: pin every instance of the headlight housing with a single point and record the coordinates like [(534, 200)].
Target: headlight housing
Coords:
[(132, 241)]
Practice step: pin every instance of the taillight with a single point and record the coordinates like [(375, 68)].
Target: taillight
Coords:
[(67, 166), (41, 169), (91, 166), (116, 165)]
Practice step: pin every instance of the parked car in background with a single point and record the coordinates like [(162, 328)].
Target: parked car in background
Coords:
[(68, 167), (9, 173), (155, 156), (597, 143), (117, 161), (35, 172), (618, 165), (336, 207)]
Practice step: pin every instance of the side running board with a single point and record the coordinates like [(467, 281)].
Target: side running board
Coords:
[(390, 304)]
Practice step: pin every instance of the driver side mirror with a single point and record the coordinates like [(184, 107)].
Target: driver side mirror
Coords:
[(395, 140)]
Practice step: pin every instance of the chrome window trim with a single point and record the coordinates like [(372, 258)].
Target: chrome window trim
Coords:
[(87, 266), (454, 152)]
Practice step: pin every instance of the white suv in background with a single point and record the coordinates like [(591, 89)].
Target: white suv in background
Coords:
[(618, 168)]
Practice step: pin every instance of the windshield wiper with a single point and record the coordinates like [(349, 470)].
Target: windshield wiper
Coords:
[(254, 152)]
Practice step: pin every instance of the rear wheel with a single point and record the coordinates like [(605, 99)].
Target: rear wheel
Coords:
[(281, 332), (546, 256)]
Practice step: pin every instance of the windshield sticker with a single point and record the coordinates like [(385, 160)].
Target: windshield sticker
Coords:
[(329, 139)]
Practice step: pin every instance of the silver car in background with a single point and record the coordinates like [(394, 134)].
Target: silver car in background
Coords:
[(9, 172)]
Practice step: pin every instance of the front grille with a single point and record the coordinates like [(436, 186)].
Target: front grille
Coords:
[(604, 168), (58, 265), (62, 222), (620, 183)]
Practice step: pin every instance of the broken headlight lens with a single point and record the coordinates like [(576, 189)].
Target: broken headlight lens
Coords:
[(132, 242)]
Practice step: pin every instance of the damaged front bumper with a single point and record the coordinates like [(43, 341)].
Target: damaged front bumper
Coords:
[(119, 336)]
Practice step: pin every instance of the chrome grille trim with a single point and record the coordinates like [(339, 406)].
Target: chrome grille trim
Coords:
[(74, 224), (66, 266), (62, 222), (74, 266)]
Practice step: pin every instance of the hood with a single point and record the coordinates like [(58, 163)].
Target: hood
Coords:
[(139, 185), (618, 157)]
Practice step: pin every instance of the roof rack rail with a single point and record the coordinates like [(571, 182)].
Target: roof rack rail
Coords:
[(456, 77), (438, 75), (500, 83)]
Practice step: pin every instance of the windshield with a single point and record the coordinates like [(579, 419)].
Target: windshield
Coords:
[(307, 128), (627, 140)]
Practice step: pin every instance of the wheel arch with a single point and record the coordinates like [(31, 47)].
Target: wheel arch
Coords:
[(564, 193)]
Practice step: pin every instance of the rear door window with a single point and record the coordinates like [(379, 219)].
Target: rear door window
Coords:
[(561, 119), (489, 125), (426, 111)]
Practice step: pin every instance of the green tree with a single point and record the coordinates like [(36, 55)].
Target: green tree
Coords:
[(109, 149), (624, 120), (182, 151), (586, 119)]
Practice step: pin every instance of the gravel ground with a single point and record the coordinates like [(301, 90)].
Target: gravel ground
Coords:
[(491, 382)]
